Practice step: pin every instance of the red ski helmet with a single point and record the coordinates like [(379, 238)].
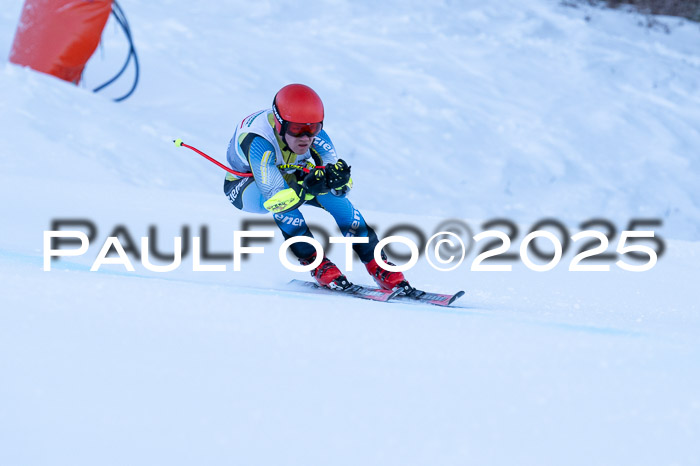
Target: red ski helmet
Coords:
[(298, 110)]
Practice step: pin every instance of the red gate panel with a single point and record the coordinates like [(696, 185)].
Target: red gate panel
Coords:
[(58, 37)]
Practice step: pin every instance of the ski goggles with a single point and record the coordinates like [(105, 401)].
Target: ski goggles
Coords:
[(300, 129)]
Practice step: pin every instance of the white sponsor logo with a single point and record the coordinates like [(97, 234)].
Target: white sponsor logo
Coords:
[(324, 145), (355, 223), (289, 220), (234, 194)]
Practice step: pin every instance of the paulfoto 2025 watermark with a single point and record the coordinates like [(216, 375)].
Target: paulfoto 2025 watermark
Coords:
[(445, 250)]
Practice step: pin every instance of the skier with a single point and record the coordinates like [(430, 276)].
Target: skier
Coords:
[(283, 147)]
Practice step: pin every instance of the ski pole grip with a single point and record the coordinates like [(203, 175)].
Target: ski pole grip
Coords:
[(178, 142)]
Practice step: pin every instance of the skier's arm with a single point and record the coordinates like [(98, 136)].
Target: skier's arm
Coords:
[(337, 170), (262, 161), (324, 147), (279, 196)]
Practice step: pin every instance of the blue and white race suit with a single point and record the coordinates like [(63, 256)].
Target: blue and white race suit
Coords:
[(256, 148)]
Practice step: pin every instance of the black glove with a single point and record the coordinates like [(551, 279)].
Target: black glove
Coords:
[(315, 183), (337, 175)]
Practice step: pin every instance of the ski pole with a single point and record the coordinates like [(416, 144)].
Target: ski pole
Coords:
[(179, 143)]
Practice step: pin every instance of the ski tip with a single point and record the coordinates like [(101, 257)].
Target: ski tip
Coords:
[(455, 297)]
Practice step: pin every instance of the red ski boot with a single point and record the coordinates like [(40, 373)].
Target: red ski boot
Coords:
[(384, 278), (327, 274)]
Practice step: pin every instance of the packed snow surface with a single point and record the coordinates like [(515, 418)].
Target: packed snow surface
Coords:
[(446, 110)]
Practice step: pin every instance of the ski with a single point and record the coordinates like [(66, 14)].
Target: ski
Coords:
[(356, 291), (437, 299), (400, 293), (408, 293)]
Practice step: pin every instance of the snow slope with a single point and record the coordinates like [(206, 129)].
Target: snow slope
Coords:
[(445, 110)]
